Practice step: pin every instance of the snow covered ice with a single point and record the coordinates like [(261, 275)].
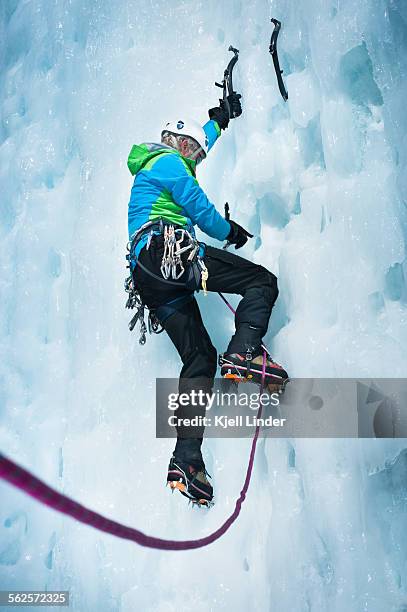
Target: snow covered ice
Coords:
[(320, 180)]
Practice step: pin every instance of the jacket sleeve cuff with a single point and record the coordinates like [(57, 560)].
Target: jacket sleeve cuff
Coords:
[(218, 130), (212, 131), (224, 229)]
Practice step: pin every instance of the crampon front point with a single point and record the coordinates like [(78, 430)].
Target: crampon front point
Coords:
[(179, 486), (191, 482)]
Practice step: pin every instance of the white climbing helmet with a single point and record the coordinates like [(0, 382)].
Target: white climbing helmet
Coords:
[(188, 127)]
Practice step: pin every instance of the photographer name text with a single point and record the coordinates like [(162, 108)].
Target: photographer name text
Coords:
[(225, 422)]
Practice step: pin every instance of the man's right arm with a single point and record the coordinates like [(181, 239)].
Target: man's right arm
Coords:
[(187, 193)]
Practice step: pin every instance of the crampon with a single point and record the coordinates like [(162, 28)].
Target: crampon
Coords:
[(191, 482), (246, 368)]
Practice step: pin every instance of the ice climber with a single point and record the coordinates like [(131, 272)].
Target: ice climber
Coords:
[(169, 265)]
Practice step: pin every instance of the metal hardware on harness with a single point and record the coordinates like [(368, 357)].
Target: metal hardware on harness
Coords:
[(171, 263), (150, 235), (171, 267), (134, 301)]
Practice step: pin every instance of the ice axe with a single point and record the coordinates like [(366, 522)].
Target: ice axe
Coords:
[(234, 224), (227, 86), (274, 55), (227, 217)]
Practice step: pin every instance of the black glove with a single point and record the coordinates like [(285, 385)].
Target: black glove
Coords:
[(237, 235), (234, 104), (220, 115)]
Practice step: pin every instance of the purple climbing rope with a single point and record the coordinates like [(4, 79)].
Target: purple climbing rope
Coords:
[(34, 487), (228, 304)]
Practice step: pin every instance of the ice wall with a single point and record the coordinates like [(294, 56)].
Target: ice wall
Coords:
[(320, 180)]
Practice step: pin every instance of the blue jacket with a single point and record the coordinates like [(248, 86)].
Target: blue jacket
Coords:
[(165, 186)]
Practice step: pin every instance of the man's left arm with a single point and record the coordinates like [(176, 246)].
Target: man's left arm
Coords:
[(212, 131), (219, 117)]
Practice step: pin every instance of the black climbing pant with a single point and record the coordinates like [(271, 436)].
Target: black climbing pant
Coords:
[(228, 273)]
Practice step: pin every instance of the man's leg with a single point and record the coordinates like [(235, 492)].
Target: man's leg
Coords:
[(178, 311), (186, 470), (191, 339), (230, 273), (258, 288)]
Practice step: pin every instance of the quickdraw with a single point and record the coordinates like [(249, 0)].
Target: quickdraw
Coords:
[(171, 264), (134, 301), (173, 249)]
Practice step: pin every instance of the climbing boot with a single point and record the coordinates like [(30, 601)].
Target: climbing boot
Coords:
[(192, 481), (244, 367)]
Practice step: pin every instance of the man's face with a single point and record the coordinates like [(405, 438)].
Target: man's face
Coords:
[(185, 147), (191, 150)]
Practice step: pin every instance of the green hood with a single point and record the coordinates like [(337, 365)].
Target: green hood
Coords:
[(140, 155)]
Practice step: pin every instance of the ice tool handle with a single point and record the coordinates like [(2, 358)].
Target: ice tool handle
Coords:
[(274, 55), (227, 217), (227, 85)]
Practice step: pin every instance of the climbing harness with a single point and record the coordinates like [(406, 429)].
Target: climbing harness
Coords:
[(274, 55), (177, 241), (227, 85), (134, 300)]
